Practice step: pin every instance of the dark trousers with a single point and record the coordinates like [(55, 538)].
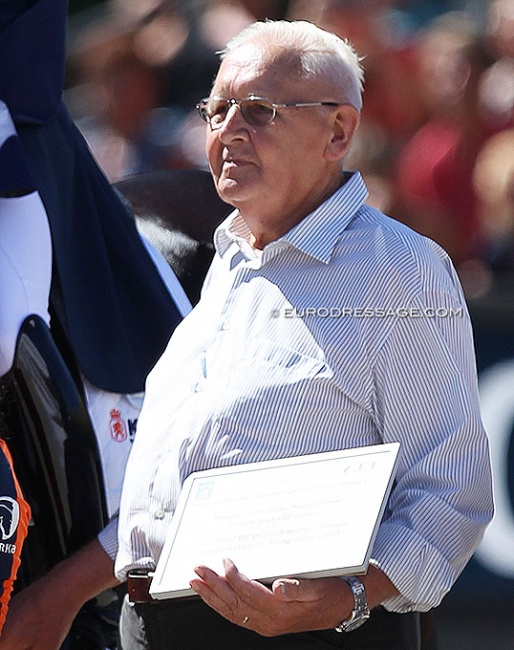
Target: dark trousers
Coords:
[(191, 625)]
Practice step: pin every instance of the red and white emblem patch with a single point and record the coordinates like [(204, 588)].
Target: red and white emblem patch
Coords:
[(117, 425)]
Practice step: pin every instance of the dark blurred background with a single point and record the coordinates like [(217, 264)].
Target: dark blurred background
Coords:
[(436, 148)]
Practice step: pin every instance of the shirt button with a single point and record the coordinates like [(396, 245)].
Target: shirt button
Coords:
[(159, 514), (198, 387)]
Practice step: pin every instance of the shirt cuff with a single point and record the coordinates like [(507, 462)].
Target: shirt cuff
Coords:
[(108, 538), (406, 561)]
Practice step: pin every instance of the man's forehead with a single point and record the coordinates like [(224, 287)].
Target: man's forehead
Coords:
[(252, 63)]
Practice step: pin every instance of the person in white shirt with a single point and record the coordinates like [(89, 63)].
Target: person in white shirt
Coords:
[(323, 324)]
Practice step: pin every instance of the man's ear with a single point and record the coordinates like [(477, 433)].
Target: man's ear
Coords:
[(345, 122)]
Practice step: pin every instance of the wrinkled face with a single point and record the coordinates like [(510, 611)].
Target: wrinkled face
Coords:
[(279, 168)]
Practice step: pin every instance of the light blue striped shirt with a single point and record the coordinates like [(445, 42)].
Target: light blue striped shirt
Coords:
[(350, 330)]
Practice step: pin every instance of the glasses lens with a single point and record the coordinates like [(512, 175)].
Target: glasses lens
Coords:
[(257, 112), (216, 110), (202, 110)]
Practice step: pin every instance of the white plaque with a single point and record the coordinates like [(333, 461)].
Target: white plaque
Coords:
[(308, 516)]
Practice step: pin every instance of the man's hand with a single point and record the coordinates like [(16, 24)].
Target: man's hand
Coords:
[(289, 606), (40, 616)]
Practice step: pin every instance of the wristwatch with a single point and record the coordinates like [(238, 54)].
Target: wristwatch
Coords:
[(360, 613)]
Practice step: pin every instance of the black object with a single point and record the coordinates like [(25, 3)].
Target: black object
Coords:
[(56, 459), (178, 210), (54, 450)]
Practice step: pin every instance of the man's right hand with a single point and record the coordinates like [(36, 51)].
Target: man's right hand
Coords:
[(41, 615)]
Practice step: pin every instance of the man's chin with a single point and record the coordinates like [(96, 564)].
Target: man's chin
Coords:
[(234, 191)]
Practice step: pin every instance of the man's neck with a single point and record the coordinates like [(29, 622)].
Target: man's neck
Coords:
[(264, 229)]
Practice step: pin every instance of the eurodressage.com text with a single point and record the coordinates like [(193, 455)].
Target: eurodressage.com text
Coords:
[(368, 312)]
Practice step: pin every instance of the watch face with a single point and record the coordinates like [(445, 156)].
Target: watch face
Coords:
[(350, 626)]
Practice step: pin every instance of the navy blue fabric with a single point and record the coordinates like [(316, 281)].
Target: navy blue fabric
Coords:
[(32, 51), (117, 313), (14, 172)]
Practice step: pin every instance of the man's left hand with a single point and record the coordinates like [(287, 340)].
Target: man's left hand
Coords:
[(289, 605)]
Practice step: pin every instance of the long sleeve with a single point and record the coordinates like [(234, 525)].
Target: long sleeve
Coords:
[(427, 398)]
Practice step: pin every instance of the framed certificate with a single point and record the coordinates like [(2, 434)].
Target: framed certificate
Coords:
[(307, 516)]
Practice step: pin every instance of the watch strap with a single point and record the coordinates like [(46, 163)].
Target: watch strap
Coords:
[(360, 612)]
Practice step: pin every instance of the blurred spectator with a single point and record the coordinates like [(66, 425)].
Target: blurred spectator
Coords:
[(119, 95), (386, 46), (223, 19), (138, 74), (392, 109), (436, 195), (493, 180), (497, 83)]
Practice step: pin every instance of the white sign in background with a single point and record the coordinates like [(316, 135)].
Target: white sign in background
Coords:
[(497, 405)]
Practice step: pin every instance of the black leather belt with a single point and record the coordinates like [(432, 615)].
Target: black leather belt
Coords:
[(138, 586)]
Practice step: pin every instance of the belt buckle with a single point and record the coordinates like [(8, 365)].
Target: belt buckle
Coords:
[(138, 586)]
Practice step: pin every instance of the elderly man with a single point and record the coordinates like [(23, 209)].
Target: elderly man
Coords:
[(257, 384)]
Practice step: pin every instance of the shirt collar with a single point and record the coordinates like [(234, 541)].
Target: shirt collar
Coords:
[(315, 235)]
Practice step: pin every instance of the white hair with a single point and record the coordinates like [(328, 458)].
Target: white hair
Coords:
[(317, 52)]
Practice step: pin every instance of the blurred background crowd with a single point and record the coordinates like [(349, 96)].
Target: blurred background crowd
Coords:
[(436, 143)]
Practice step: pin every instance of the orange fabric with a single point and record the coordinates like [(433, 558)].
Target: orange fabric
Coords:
[(10, 487)]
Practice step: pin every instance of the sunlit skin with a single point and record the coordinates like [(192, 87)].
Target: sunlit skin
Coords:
[(277, 174), (289, 605)]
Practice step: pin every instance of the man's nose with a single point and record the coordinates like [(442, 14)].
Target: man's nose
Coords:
[(233, 123)]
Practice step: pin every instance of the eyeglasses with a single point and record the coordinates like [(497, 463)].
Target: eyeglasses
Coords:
[(256, 111)]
